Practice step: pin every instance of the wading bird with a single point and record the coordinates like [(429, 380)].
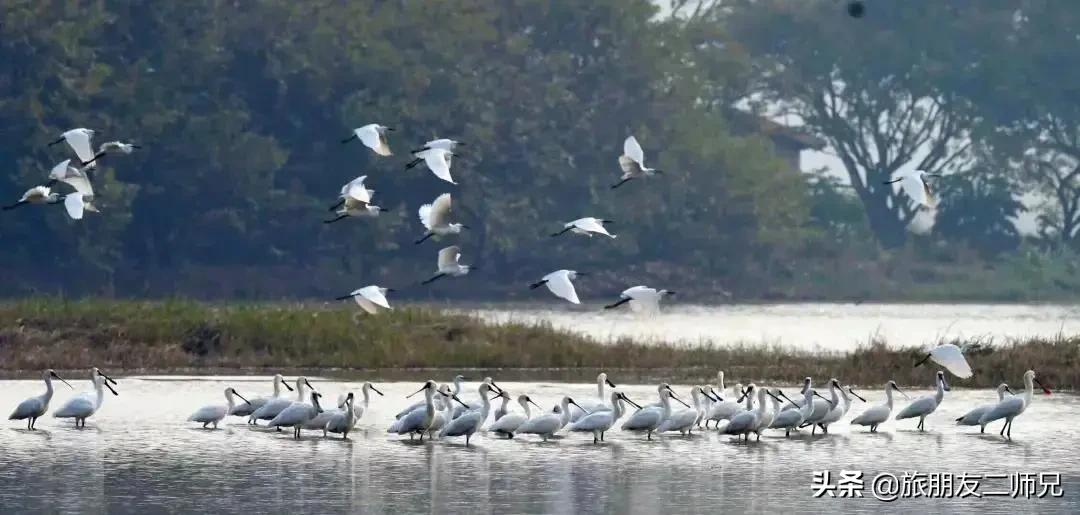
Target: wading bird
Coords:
[(297, 414), (372, 136), (249, 407), (84, 405), (587, 226), (36, 195), (1012, 407), (342, 422), (560, 283), (355, 201), (649, 418), (436, 219), (274, 406), (442, 143), (632, 162), (548, 424), (507, 424), (79, 141), (600, 422), (34, 407), (214, 413), (113, 147), (877, 414), (448, 265), (927, 404), (598, 403), (471, 421), (974, 416)]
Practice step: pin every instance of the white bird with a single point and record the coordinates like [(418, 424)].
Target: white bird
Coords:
[(214, 413), (249, 407), (373, 136), (503, 408), (34, 407), (877, 414), (113, 147), (342, 421), (587, 226), (914, 184), (649, 418), (821, 404), (789, 419), (448, 265), (641, 299), (560, 283), (354, 201), (925, 405), (436, 218), (471, 421), (599, 403), (36, 195), (724, 410), (475, 404), (951, 357), (370, 298), (458, 380), (747, 422), (81, 199), (632, 162), (443, 143), (548, 424), (838, 412), (817, 416), (509, 423), (320, 420), (600, 422), (274, 406), (972, 417), (79, 141), (768, 415), (683, 420), (419, 421), (444, 411), (1012, 407), (84, 405), (297, 414), (438, 160)]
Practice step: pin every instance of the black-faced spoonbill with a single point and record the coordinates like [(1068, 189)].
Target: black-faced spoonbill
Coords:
[(587, 226), (373, 136), (641, 299), (510, 422), (972, 417), (600, 422), (214, 413), (649, 418), (560, 282), (1012, 407), (927, 404), (914, 184), (879, 413), (951, 357), (296, 414), (436, 218), (84, 405), (632, 162), (598, 403), (34, 407), (448, 265), (249, 407)]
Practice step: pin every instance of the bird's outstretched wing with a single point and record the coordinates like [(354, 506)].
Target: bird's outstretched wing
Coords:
[(75, 205), (559, 283), (79, 141), (439, 164), (440, 210), (632, 149), (448, 257)]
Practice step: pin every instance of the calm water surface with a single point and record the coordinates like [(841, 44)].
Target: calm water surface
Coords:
[(810, 326), (138, 455)]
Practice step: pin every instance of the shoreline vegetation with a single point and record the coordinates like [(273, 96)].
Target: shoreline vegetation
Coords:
[(186, 337)]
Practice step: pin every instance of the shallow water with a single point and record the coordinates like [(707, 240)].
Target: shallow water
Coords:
[(138, 455), (809, 326)]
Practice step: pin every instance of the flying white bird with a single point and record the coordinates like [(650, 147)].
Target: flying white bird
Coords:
[(373, 136), (641, 298), (112, 147), (436, 218), (914, 185), (36, 195), (438, 160), (79, 141), (632, 162), (951, 357), (587, 226), (1012, 407), (448, 265), (370, 298), (354, 200), (443, 143), (34, 407), (559, 282), (81, 199)]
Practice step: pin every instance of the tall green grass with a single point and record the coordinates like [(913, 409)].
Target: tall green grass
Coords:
[(183, 335)]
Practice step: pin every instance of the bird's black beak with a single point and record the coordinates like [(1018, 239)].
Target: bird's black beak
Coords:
[(587, 412), (676, 397), (582, 274), (826, 400), (744, 394), (236, 393), (630, 402), (530, 401), (496, 387), (921, 361), (782, 394), (391, 129), (422, 388), (391, 290), (344, 297), (61, 379), (852, 392), (376, 390), (463, 226), (455, 397), (1044, 389), (775, 398), (107, 378), (110, 387), (286, 385), (609, 383)]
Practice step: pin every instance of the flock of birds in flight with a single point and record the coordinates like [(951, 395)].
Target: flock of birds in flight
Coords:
[(443, 414)]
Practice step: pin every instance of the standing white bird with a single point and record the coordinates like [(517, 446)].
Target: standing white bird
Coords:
[(84, 405), (443, 143), (838, 412), (972, 417), (370, 298), (355, 201), (951, 357), (274, 406), (632, 162), (879, 413), (914, 184), (587, 226), (548, 424), (598, 403), (768, 415), (925, 405), (818, 415), (249, 407), (297, 414), (436, 218), (476, 404), (458, 380), (34, 407), (320, 420), (438, 160), (649, 418), (419, 421), (746, 422), (509, 423), (789, 419), (36, 195), (600, 422), (560, 283), (471, 421), (724, 409), (683, 420), (641, 299), (448, 265), (214, 413), (372, 136), (342, 422), (1012, 407), (79, 141)]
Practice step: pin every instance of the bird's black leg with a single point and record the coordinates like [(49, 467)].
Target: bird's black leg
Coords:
[(15, 205), (413, 163), (339, 217), (620, 183), (336, 205), (617, 304), (434, 278), (561, 232), (426, 236)]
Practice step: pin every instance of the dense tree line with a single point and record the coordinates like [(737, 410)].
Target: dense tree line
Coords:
[(241, 106)]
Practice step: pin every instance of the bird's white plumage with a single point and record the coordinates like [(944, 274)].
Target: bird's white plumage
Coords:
[(448, 259), (952, 358), (79, 141), (588, 226), (356, 190), (632, 149), (373, 136), (74, 205), (371, 298), (436, 215), (438, 161), (560, 283)]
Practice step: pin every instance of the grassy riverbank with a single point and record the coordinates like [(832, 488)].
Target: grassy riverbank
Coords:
[(185, 336)]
